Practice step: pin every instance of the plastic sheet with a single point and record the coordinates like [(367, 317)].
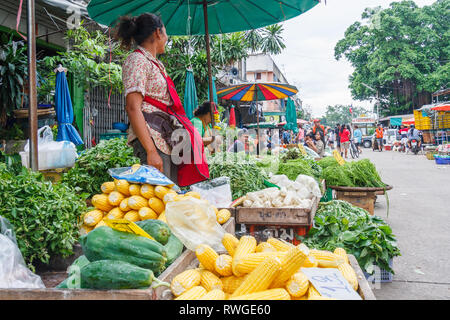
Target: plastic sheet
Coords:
[(216, 191), (142, 174), (13, 271), (193, 221)]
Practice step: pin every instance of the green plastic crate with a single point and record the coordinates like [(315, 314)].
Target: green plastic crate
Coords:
[(108, 136)]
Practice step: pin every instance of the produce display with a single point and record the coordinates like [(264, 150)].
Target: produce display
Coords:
[(293, 163), (270, 270), (338, 224)]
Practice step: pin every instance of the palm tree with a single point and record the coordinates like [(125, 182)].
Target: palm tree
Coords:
[(272, 41), (253, 39)]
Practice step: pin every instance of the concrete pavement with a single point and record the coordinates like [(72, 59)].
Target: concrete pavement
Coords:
[(419, 215)]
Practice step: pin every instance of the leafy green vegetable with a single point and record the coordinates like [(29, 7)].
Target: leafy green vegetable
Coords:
[(327, 162), (44, 215), (292, 168), (91, 168), (360, 173), (339, 224)]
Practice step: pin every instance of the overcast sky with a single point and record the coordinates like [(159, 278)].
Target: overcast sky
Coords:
[(308, 60)]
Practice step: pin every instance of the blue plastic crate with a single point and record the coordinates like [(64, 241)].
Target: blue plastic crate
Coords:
[(113, 135), (441, 160), (385, 276)]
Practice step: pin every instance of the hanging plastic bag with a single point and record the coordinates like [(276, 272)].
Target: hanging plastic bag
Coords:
[(216, 191), (193, 221), (142, 174), (51, 154), (13, 271)]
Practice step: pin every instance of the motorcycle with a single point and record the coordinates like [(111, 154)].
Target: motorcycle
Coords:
[(414, 146)]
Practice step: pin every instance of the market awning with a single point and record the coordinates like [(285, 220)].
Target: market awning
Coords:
[(444, 107), (396, 121)]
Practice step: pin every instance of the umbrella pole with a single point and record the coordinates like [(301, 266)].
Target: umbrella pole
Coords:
[(257, 129), (32, 94), (208, 58)]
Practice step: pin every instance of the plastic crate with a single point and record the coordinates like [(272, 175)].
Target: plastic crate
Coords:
[(384, 276), (440, 160), (108, 136), (262, 232)]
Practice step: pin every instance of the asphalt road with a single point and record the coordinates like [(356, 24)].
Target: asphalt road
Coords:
[(419, 215)]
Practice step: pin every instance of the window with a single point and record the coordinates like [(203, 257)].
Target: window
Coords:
[(258, 76)]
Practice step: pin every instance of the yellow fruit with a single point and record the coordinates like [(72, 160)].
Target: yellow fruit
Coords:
[(122, 186), (162, 216), (147, 191), (108, 187), (100, 201), (170, 196), (100, 224), (184, 281), (192, 194), (124, 205), (156, 204), (115, 198), (132, 216), (115, 213), (147, 213), (137, 202), (161, 191), (93, 217), (84, 229), (134, 189), (135, 167), (223, 216)]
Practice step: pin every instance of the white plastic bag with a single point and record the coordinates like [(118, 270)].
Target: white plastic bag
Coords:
[(13, 271), (194, 222), (216, 191), (51, 154)]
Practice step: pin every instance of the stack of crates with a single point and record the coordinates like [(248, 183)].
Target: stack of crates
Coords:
[(421, 122)]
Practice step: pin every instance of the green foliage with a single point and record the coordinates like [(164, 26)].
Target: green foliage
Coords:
[(339, 224), (272, 41), (44, 215), (402, 51), (91, 168), (13, 132), (360, 173), (340, 114)]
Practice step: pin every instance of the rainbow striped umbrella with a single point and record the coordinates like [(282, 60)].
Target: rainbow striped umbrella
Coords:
[(257, 91)]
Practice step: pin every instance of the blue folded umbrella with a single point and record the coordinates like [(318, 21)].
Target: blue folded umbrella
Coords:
[(190, 95), (64, 111)]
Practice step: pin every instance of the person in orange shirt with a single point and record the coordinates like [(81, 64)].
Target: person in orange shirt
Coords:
[(379, 131)]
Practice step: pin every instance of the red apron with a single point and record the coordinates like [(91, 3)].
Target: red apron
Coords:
[(197, 170)]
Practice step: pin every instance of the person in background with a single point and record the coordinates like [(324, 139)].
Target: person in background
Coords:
[(301, 134), (337, 136), (239, 144), (379, 132), (202, 121), (413, 133), (319, 128), (403, 131), (357, 135), (309, 142), (345, 140), (286, 137), (319, 145), (331, 138)]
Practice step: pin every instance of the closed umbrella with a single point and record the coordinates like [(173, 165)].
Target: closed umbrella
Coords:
[(214, 99), (291, 116), (190, 94), (64, 110), (232, 121)]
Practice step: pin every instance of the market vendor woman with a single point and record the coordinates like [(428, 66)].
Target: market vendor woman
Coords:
[(202, 122), (154, 107)]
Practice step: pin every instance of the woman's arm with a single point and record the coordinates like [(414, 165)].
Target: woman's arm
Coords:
[(133, 108)]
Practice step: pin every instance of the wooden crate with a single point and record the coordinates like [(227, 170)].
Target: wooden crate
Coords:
[(54, 278), (362, 199)]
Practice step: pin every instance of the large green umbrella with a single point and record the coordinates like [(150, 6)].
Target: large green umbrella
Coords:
[(194, 17)]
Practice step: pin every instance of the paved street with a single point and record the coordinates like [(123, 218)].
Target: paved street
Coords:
[(419, 215)]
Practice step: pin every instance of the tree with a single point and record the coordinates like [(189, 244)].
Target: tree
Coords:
[(341, 114), (272, 41), (402, 52)]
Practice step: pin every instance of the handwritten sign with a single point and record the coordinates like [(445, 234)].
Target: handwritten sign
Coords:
[(302, 149), (331, 283), (127, 226), (338, 157)]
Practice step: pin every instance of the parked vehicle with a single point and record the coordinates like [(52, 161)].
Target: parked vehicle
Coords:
[(415, 146)]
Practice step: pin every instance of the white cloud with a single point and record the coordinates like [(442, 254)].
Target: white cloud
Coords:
[(308, 60)]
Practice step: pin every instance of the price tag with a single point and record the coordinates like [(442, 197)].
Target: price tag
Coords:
[(125, 225), (338, 157), (302, 149), (331, 283)]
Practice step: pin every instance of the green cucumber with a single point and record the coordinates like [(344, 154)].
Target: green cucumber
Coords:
[(113, 274), (105, 243), (174, 248), (156, 228)]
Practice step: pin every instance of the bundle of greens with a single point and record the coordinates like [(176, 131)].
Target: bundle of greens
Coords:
[(339, 224), (360, 173), (327, 162), (245, 176), (292, 168), (44, 216), (91, 168)]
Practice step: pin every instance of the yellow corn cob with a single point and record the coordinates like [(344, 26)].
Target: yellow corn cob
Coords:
[(134, 190), (230, 243), (326, 259), (247, 263), (342, 253), (115, 198), (260, 278), (231, 283), (265, 247), (223, 265), (291, 263), (84, 229), (349, 274), (93, 217), (100, 201), (108, 187), (194, 293), (122, 186), (169, 197), (100, 224), (115, 213), (161, 191), (156, 204), (193, 194), (227, 296), (297, 285), (137, 202), (279, 245), (207, 256), (132, 216), (272, 294), (147, 213), (147, 191), (210, 281), (215, 294), (246, 245), (162, 216), (185, 281), (124, 205), (223, 216), (304, 297), (312, 292), (310, 262)]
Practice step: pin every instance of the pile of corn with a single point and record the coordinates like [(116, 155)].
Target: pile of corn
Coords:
[(135, 202), (269, 270)]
